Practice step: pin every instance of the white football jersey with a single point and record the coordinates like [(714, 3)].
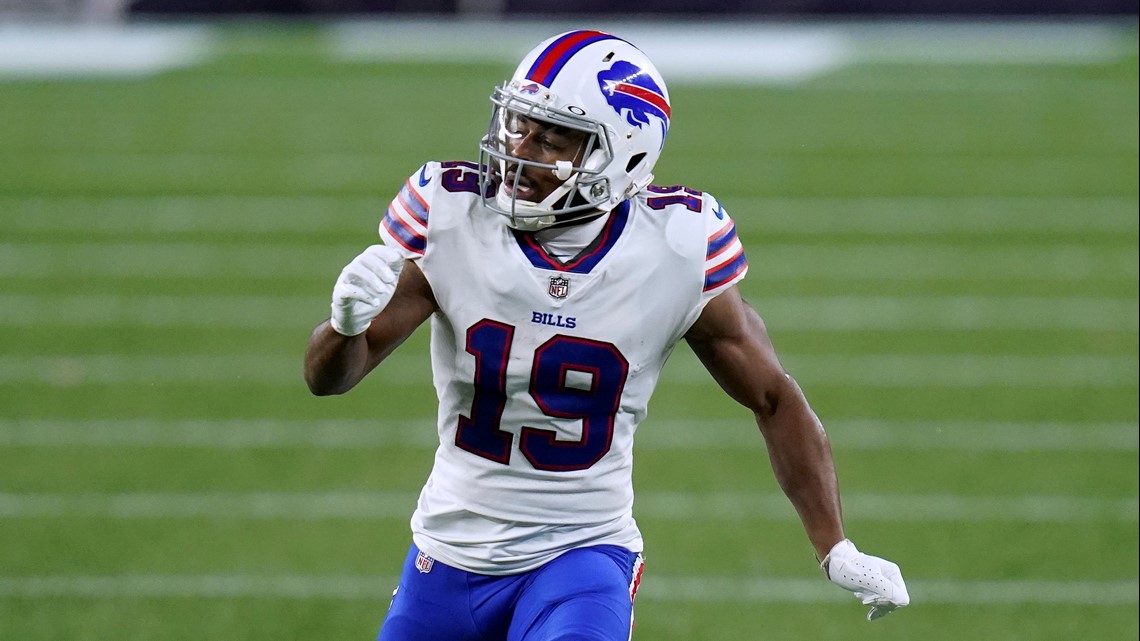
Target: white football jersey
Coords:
[(544, 369)]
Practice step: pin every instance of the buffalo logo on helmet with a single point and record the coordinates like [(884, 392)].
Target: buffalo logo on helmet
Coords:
[(530, 88), (633, 94)]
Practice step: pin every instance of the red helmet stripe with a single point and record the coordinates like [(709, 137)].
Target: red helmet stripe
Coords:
[(551, 61), (652, 98)]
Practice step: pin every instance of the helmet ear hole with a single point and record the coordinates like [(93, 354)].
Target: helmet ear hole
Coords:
[(634, 161)]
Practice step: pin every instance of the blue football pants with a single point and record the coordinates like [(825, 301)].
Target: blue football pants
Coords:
[(583, 595)]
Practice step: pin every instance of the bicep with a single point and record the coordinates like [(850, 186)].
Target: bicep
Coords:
[(732, 343)]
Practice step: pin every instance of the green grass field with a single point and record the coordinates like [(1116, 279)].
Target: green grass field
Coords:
[(945, 254)]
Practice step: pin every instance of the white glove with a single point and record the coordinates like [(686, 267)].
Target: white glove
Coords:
[(876, 582), (364, 288)]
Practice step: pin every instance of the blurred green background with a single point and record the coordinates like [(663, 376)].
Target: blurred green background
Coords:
[(945, 251)]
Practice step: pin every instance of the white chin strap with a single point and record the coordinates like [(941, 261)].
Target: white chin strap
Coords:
[(529, 215)]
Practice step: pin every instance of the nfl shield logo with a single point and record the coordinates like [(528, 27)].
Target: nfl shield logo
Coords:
[(559, 287), (424, 563)]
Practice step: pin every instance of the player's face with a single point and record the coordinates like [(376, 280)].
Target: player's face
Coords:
[(542, 142)]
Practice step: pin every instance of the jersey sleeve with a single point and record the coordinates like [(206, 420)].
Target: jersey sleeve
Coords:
[(725, 263), (405, 224)]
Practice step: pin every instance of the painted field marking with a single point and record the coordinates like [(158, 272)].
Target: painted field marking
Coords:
[(408, 368), (668, 589), (268, 216), (885, 261), (936, 217), (941, 592), (672, 506), (936, 370), (800, 313), (691, 434)]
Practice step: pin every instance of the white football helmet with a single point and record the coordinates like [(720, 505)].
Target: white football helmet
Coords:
[(588, 81)]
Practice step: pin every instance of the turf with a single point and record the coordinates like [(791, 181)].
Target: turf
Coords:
[(946, 256)]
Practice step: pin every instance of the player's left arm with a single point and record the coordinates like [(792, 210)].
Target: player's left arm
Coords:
[(730, 339)]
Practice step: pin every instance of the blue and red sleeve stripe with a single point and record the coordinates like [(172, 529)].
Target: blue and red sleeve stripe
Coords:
[(408, 206), (724, 245)]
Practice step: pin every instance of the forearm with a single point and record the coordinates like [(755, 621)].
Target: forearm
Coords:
[(334, 363), (801, 459), (730, 339)]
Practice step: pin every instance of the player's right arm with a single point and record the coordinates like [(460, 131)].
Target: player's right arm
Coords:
[(336, 361), (380, 297)]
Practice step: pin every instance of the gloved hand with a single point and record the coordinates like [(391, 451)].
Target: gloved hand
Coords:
[(876, 582), (364, 288)]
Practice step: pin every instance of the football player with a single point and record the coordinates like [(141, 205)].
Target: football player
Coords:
[(558, 280)]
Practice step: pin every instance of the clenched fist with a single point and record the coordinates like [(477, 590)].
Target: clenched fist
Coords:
[(364, 288)]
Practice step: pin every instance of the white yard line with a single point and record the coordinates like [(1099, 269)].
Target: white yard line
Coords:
[(812, 313), (669, 589), (110, 217), (936, 370), (918, 262), (881, 261), (670, 506), (655, 434), (408, 368), (264, 215), (934, 216), (852, 313), (933, 592), (743, 506)]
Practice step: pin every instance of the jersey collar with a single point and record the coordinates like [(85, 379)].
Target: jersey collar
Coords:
[(589, 257)]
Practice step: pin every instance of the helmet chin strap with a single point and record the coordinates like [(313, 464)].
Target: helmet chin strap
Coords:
[(637, 186), (537, 215)]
